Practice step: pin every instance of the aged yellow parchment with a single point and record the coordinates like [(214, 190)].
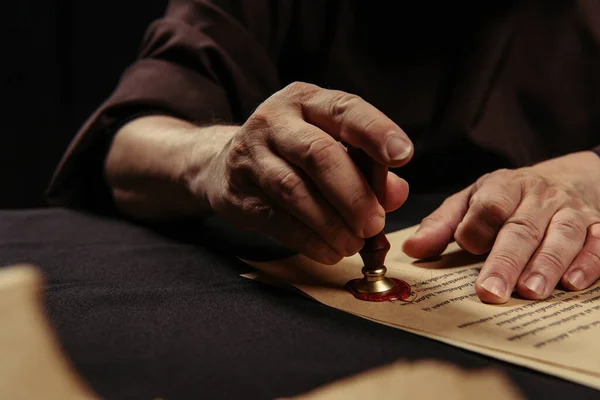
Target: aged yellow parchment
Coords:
[(412, 380), (582, 378), (557, 335), (32, 363)]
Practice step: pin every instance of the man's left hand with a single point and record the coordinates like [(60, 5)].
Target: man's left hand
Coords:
[(540, 225)]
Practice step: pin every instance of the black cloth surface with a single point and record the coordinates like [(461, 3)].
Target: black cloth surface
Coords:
[(144, 314)]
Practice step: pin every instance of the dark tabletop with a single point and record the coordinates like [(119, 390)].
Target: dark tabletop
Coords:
[(145, 313)]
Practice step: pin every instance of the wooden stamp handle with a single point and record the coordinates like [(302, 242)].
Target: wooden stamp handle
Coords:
[(375, 249)]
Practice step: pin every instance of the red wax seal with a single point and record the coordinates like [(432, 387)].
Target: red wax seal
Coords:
[(400, 291)]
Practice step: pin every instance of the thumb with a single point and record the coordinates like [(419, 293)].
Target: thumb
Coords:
[(437, 230)]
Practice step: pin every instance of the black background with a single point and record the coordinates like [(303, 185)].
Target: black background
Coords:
[(60, 60)]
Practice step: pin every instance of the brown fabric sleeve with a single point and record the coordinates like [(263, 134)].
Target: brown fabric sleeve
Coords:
[(203, 61)]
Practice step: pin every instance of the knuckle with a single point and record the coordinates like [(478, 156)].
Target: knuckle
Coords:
[(297, 86), (525, 175), (358, 197), (505, 264), (371, 122), (341, 103), (569, 224), (552, 261), (503, 173), (474, 237), (524, 228), (496, 207), (532, 183), (317, 153), (299, 91), (261, 118), (553, 192), (556, 196), (290, 186), (591, 257)]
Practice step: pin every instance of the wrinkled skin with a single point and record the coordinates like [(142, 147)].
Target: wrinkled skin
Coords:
[(539, 225), (284, 172)]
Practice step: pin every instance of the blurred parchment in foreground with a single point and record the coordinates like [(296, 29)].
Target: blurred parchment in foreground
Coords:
[(33, 366), (419, 380)]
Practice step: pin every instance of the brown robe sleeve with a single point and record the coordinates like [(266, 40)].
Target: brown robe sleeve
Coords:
[(203, 61)]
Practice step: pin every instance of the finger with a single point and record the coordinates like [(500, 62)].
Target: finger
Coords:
[(585, 268), (437, 230), (255, 213), (563, 240), (516, 242), (333, 173), (349, 118), (396, 192), (288, 187), (489, 207), (296, 235)]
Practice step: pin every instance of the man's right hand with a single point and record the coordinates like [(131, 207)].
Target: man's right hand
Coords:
[(285, 172)]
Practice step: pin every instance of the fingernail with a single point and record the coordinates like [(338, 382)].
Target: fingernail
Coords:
[(397, 148), (374, 225), (536, 283), (353, 245), (495, 285), (575, 278)]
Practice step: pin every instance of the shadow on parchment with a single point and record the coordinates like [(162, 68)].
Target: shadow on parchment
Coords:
[(455, 259)]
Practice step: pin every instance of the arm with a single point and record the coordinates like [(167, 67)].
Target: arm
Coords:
[(203, 62), (150, 160), (282, 172)]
